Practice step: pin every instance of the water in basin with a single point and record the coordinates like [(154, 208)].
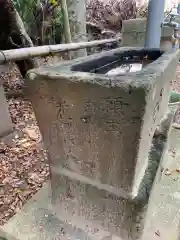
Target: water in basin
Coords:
[(116, 63), (124, 69)]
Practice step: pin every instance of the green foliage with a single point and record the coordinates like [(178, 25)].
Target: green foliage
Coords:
[(51, 20), (174, 97), (25, 9)]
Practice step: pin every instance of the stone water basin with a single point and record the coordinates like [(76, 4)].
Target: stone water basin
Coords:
[(99, 131), (98, 126)]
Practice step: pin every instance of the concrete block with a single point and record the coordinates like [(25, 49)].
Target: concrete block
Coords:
[(134, 32)]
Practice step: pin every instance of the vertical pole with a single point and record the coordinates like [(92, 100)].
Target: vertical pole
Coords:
[(154, 22), (178, 8)]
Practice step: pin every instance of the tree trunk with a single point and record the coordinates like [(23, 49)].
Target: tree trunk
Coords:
[(13, 34), (67, 30), (77, 21)]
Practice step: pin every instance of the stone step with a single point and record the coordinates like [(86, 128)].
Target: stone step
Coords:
[(37, 221)]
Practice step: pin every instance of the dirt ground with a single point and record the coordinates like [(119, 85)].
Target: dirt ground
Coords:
[(23, 161)]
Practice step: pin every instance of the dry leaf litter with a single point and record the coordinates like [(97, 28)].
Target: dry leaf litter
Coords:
[(23, 162)]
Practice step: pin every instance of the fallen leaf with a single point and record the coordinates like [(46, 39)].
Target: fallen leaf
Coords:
[(7, 180), (33, 135), (158, 233), (2, 147)]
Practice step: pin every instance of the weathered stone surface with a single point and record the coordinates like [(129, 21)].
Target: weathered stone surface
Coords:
[(134, 32), (118, 215), (101, 128), (37, 220), (6, 126), (100, 134)]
